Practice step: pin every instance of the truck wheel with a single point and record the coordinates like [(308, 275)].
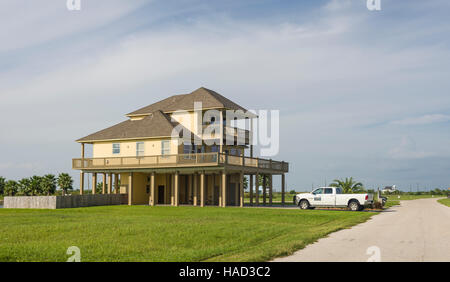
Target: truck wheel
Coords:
[(353, 206), (304, 204)]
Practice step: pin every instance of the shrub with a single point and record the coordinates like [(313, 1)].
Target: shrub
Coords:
[(377, 205)]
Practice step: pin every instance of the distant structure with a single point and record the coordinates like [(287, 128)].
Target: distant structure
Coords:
[(389, 189)]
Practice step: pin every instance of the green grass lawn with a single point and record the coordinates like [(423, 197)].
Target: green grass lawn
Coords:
[(142, 233), (445, 201)]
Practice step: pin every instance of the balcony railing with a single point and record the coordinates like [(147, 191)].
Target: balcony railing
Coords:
[(179, 160)]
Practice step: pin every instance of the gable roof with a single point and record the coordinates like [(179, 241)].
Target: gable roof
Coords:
[(156, 124), (209, 98)]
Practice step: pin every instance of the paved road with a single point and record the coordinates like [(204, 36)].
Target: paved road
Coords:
[(418, 230)]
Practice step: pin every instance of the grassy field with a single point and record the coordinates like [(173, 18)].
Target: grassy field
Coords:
[(142, 233), (445, 201)]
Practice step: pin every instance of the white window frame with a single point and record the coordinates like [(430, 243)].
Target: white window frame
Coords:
[(141, 152), (114, 152), (164, 150)]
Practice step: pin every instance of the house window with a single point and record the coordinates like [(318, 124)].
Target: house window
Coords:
[(116, 148), (140, 149), (165, 147), (188, 149)]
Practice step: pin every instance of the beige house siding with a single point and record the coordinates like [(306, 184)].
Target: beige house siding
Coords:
[(152, 147)]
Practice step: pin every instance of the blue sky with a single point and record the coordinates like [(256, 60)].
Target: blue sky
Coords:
[(360, 93)]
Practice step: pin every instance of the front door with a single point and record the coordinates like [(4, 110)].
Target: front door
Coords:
[(161, 194), (316, 199)]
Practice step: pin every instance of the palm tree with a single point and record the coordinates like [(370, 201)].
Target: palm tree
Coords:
[(24, 187), (348, 185), (48, 184), (35, 185), (2, 185), (11, 187), (65, 182)]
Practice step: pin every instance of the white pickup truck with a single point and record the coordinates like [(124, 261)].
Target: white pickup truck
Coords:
[(332, 197)]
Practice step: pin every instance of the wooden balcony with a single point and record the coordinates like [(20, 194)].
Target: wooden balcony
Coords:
[(181, 160)]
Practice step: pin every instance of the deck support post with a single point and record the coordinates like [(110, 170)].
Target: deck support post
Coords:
[(81, 182), (264, 188), (224, 189), (195, 189), (81, 172), (110, 179), (152, 189), (116, 183), (94, 183), (172, 190), (270, 189), (202, 189), (257, 189), (177, 189), (130, 189), (104, 184), (241, 189), (236, 192), (213, 194), (251, 189)]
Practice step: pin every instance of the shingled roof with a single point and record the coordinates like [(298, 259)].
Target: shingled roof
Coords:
[(156, 124), (209, 98)]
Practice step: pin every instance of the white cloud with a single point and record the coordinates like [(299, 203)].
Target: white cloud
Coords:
[(407, 150), (421, 120)]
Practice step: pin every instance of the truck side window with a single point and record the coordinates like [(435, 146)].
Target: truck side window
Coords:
[(318, 191), (338, 191), (328, 191)]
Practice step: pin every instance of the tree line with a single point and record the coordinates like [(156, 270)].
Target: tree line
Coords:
[(36, 185)]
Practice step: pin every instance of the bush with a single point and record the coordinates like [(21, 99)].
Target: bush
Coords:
[(377, 205)]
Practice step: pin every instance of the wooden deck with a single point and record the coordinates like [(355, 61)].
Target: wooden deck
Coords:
[(181, 160)]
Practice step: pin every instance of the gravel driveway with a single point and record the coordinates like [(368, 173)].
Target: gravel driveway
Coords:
[(418, 230)]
